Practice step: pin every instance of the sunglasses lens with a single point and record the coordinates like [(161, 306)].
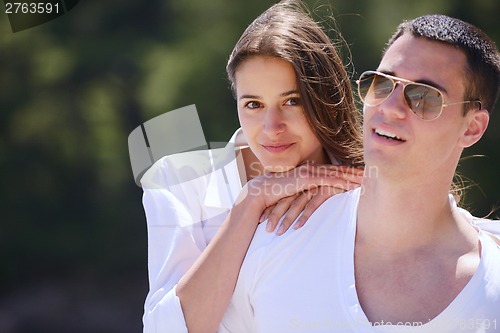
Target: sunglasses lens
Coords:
[(424, 101), (374, 89)]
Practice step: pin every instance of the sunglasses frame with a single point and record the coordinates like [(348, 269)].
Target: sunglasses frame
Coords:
[(395, 80)]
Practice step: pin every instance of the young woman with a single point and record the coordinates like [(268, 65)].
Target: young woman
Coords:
[(295, 107)]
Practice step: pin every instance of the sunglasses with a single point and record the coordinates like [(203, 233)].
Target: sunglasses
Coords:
[(425, 101)]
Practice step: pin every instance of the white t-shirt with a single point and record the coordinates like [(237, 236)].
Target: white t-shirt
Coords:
[(303, 281)]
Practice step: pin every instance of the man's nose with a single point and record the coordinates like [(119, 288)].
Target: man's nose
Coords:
[(395, 104)]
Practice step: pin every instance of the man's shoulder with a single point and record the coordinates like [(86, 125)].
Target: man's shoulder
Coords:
[(327, 230), (335, 212)]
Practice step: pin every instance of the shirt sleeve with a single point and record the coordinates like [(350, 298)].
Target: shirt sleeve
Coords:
[(186, 197), (490, 226), (239, 316), (175, 240)]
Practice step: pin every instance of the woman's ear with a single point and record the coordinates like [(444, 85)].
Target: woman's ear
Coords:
[(477, 122)]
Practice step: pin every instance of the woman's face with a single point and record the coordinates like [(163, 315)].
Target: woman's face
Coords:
[(272, 116)]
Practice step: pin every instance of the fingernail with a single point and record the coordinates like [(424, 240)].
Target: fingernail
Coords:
[(263, 217), (269, 226), (281, 229), (298, 224)]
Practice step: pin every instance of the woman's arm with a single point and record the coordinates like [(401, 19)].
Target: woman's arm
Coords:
[(206, 289), (206, 277), (177, 254), (179, 228), (175, 240)]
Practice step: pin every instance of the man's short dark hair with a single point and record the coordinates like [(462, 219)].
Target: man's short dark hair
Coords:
[(483, 61)]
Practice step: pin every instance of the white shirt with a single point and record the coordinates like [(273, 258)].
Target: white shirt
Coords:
[(186, 198), (303, 281)]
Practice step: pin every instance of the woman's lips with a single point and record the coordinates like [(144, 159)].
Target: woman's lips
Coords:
[(277, 148)]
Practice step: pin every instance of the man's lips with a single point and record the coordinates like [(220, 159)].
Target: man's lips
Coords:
[(388, 134)]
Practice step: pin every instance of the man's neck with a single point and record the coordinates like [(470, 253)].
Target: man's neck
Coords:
[(413, 253), (402, 216)]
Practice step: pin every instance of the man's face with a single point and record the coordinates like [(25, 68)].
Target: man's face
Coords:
[(417, 147)]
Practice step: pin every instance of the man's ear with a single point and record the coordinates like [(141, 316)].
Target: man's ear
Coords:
[(477, 122)]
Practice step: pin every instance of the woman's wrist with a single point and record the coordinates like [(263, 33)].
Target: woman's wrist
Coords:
[(252, 194)]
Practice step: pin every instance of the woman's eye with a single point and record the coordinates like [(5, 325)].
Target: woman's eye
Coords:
[(253, 105), (293, 101)]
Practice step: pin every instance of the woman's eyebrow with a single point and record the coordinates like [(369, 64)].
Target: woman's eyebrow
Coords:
[(291, 92), (249, 96), (287, 93)]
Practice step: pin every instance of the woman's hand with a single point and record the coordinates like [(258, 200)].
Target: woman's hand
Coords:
[(339, 180)]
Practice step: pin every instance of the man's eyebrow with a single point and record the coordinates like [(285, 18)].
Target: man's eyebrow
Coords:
[(427, 82), (433, 84)]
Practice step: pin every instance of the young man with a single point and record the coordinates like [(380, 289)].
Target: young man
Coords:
[(398, 251)]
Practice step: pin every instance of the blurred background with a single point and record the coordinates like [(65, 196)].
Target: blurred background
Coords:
[(72, 230)]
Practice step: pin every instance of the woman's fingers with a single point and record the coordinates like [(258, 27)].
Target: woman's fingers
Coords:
[(316, 199), (281, 207), (299, 207), (339, 176), (272, 187), (303, 204), (296, 207), (266, 213)]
